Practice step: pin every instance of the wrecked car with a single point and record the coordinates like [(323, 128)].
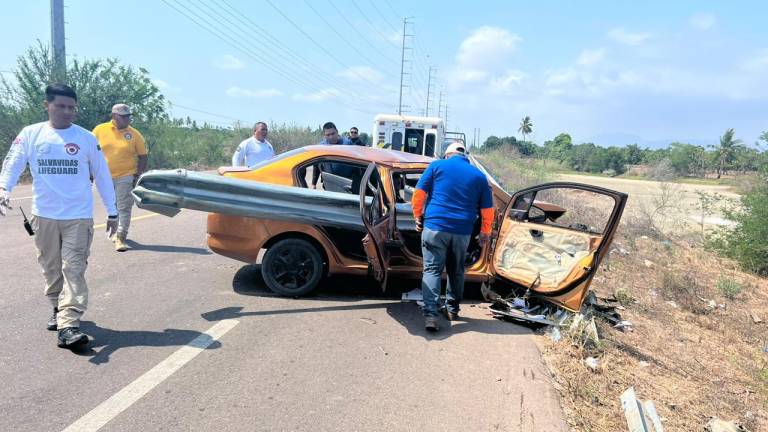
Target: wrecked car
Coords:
[(324, 210)]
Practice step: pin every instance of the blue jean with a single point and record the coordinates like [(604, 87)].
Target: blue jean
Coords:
[(442, 250)]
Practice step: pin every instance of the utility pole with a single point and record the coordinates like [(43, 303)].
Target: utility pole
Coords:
[(57, 39), (440, 104), (429, 91), (402, 68), (446, 115)]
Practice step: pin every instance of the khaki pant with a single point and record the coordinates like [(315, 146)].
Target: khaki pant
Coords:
[(63, 247), (123, 188)]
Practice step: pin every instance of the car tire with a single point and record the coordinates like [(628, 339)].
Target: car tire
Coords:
[(292, 267)]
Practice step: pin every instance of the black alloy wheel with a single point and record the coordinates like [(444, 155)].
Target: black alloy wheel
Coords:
[(292, 267)]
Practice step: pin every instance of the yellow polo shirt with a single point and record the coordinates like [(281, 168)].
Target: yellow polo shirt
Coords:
[(120, 147)]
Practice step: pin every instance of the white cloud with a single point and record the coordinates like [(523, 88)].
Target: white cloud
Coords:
[(483, 58), (318, 96), (590, 57), (626, 38), (362, 73), (508, 81), (702, 21), (239, 92), (756, 63), (486, 44), (228, 62)]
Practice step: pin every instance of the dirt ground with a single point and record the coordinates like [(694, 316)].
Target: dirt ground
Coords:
[(699, 344), (685, 203)]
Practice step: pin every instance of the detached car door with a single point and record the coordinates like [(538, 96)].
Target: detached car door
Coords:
[(553, 237), (378, 214)]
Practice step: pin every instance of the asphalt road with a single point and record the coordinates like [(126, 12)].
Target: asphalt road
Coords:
[(184, 339)]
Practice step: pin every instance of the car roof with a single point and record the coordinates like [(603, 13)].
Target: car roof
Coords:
[(371, 154)]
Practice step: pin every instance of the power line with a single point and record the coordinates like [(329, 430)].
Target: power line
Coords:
[(376, 8), (308, 67), (373, 26), (333, 28), (322, 48), (205, 112), (247, 51), (397, 15), (363, 37)]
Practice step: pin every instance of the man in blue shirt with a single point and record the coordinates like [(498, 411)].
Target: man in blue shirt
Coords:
[(454, 192)]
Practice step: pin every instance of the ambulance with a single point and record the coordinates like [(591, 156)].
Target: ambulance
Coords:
[(411, 134)]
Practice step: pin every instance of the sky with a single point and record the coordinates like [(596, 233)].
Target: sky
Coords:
[(608, 72)]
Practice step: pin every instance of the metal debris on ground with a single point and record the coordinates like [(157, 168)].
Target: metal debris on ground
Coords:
[(641, 416), (592, 362), (717, 425)]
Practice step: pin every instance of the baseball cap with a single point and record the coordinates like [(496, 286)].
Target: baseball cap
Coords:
[(121, 109), (456, 148)]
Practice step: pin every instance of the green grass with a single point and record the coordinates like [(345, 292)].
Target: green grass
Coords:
[(729, 288)]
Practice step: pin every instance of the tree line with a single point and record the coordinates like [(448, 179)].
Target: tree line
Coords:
[(681, 159), (100, 83)]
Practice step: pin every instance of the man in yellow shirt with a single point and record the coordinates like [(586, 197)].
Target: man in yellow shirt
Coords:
[(123, 146)]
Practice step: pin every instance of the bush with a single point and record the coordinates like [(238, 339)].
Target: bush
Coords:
[(747, 241), (728, 287)]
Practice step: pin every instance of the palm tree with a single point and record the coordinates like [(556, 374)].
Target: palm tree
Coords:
[(526, 126), (726, 150)]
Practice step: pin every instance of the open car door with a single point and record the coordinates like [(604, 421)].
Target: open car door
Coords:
[(378, 215), (553, 238)]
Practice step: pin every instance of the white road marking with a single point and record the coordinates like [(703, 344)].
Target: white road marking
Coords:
[(134, 391)]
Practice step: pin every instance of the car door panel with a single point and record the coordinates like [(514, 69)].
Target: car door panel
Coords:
[(554, 236), (378, 216)]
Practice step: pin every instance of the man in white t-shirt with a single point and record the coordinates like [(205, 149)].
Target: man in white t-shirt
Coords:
[(62, 158), (254, 149)]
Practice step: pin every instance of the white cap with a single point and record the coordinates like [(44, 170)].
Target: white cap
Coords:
[(456, 147)]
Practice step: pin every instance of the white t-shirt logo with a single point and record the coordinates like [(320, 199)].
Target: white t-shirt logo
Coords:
[(71, 149)]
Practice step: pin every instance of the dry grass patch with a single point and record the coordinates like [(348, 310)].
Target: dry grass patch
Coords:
[(695, 349)]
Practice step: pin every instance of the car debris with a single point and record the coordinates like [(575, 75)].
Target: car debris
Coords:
[(592, 362), (641, 416), (580, 326), (717, 425)]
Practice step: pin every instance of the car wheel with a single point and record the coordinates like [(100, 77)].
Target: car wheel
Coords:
[(292, 267)]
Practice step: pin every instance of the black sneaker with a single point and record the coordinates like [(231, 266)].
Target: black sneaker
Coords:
[(52, 321), (430, 323), (71, 337)]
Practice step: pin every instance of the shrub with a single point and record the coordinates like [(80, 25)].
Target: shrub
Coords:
[(728, 287), (747, 241)]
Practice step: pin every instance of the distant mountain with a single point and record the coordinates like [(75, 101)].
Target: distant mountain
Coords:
[(619, 139)]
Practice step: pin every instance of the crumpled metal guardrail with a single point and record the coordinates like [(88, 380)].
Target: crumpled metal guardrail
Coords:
[(168, 191)]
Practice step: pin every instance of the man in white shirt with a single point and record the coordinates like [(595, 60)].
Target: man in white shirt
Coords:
[(254, 149), (62, 158)]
